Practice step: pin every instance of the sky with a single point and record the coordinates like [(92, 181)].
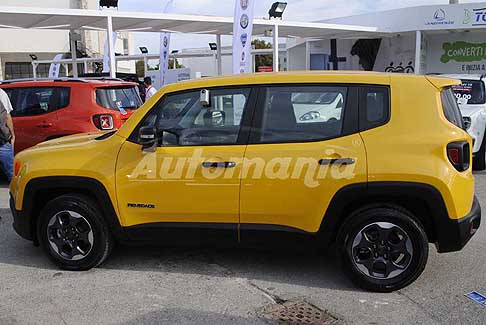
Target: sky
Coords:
[(297, 10)]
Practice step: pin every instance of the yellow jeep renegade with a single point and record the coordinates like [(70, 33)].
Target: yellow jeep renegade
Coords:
[(377, 164)]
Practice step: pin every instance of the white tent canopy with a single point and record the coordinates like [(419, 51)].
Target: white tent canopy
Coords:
[(109, 20)]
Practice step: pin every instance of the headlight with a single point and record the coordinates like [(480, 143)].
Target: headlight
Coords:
[(310, 116)]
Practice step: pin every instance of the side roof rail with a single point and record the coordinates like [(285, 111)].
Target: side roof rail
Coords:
[(66, 79)]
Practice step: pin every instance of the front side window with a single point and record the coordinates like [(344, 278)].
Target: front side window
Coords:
[(41, 100), (470, 92), (181, 119), (302, 113), (117, 98)]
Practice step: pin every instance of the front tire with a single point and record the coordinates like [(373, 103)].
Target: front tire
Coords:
[(383, 249), (73, 233)]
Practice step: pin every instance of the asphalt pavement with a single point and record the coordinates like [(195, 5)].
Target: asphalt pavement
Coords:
[(227, 286)]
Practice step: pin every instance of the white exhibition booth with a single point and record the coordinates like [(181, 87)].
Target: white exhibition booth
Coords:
[(423, 39)]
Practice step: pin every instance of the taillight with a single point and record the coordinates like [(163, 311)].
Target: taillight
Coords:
[(459, 155), (103, 121)]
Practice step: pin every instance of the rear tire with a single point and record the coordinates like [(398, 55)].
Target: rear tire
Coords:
[(73, 233), (383, 249), (479, 161)]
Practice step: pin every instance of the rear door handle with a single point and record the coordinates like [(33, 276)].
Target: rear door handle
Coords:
[(44, 125), (338, 161), (214, 164)]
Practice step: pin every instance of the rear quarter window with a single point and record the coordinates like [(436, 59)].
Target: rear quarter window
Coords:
[(116, 98), (451, 108)]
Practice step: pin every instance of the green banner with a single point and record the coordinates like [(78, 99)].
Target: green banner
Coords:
[(463, 52)]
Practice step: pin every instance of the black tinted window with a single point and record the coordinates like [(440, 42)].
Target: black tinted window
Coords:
[(374, 106), (450, 107), (116, 98), (39, 100), (302, 113)]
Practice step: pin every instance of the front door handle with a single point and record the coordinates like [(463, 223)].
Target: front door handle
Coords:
[(223, 164), (337, 161)]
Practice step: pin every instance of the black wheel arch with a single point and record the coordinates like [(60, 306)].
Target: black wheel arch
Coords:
[(39, 191), (422, 200)]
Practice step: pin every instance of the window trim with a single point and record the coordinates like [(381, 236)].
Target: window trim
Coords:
[(245, 124), (350, 116)]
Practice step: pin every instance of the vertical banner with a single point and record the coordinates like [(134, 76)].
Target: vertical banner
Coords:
[(106, 57), (164, 48), (242, 32), (55, 66)]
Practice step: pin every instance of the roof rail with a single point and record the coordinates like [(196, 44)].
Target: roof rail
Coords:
[(65, 79)]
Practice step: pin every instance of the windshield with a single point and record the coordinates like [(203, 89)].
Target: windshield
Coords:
[(470, 92), (117, 98)]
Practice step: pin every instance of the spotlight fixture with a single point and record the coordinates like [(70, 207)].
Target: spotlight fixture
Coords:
[(109, 3), (277, 10), (213, 46), (33, 57), (143, 49)]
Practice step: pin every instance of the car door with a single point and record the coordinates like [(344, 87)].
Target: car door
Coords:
[(192, 177), (34, 114), (297, 160)]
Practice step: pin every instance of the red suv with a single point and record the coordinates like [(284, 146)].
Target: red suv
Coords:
[(49, 109)]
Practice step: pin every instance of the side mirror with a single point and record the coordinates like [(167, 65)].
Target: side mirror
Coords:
[(214, 118), (147, 137)]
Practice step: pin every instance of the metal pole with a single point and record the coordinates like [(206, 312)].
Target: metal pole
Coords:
[(307, 55), (418, 50), (218, 53), (111, 47), (145, 65), (34, 69), (275, 47), (66, 70), (85, 64), (73, 54)]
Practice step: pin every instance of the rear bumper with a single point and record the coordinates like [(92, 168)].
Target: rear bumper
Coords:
[(453, 235), (21, 224)]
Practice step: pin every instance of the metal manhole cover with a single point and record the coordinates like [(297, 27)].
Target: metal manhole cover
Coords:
[(296, 312)]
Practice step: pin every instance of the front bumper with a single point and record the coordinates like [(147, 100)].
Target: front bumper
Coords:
[(21, 224), (453, 235)]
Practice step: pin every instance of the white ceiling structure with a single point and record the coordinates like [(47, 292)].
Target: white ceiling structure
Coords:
[(112, 20), (78, 19)]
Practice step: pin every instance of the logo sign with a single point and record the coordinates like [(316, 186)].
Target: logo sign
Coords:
[(166, 41), (244, 4), (439, 15), (480, 17), (461, 51), (244, 21), (467, 17), (244, 39), (439, 18), (477, 297), (243, 56)]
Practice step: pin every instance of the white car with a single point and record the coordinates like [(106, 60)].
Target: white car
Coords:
[(318, 107), (471, 97)]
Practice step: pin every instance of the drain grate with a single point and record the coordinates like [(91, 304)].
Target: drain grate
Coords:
[(296, 312)]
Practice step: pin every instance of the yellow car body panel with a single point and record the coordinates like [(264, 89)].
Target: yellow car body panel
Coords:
[(411, 147)]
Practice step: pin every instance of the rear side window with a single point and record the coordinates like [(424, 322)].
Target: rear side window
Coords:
[(302, 113), (470, 92), (116, 98), (374, 106), (451, 108), (39, 100)]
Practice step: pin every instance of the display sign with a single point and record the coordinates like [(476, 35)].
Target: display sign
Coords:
[(164, 48), (242, 32), (55, 67), (106, 56)]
